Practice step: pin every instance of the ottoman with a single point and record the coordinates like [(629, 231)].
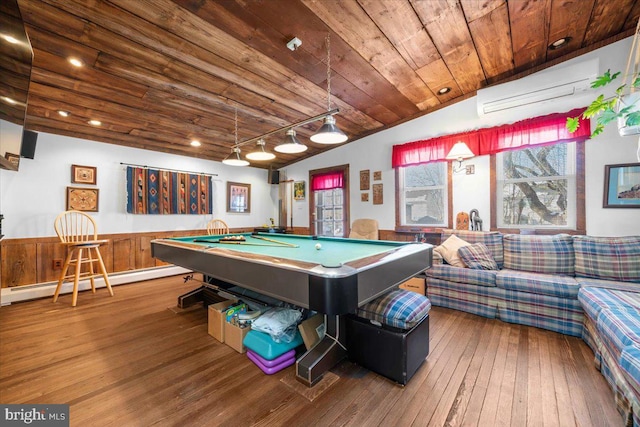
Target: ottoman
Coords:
[(390, 335)]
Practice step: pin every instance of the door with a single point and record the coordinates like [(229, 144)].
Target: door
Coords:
[(329, 201)]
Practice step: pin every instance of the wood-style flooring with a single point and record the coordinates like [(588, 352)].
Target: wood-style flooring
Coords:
[(135, 360)]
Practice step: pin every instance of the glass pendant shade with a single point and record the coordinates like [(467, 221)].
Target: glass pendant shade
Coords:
[(291, 145), (260, 154), (329, 133), (234, 159)]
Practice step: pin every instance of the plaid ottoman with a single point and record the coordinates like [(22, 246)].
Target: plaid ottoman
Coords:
[(390, 335)]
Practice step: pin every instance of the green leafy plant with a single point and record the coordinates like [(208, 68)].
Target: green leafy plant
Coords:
[(609, 109)]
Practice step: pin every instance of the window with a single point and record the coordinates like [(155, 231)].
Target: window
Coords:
[(536, 187), (541, 185), (329, 212), (423, 195)]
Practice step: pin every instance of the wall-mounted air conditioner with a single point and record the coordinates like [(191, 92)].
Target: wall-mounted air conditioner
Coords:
[(547, 86)]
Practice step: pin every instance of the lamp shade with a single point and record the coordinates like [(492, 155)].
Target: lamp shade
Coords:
[(329, 133), (260, 154), (291, 145), (459, 151), (234, 159)]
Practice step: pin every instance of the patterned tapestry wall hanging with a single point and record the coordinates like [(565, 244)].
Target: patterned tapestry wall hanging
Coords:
[(161, 192)]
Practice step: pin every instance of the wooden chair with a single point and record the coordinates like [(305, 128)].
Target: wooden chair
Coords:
[(364, 229), (216, 227), (77, 231)]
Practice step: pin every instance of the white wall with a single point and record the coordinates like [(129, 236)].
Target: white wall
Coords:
[(472, 191), (31, 198)]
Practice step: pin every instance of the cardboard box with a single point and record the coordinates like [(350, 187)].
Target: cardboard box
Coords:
[(312, 330), (216, 321), (234, 335), (414, 284)]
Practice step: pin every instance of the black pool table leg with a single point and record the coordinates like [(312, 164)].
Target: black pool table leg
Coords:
[(313, 364)]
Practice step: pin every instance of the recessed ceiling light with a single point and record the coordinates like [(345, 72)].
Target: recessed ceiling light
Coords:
[(195, 143), (444, 90), (10, 39), (95, 122), (76, 62), (64, 113), (562, 42)]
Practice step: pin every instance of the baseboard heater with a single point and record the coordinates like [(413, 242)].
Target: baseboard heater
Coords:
[(46, 289)]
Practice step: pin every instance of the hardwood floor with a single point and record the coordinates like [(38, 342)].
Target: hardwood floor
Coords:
[(134, 360)]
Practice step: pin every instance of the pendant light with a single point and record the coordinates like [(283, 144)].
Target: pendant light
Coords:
[(291, 145), (329, 133), (260, 154), (234, 159)]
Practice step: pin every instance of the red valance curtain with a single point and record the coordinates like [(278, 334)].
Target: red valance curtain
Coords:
[(327, 181), (548, 129)]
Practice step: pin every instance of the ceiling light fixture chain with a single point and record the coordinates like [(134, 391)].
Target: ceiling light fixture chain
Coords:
[(328, 71), (235, 119), (329, 133), (234, 159)]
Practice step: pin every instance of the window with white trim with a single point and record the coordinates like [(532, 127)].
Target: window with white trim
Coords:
[(423, 194), (536, 187)]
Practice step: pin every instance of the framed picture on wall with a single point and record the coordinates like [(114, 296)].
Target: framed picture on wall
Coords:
[(84, 174), (622, 186), (83, 199), (298, 190), (365, 179), (377, 194), (238, 197)]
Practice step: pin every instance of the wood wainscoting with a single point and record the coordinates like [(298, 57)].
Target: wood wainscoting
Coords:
[(30, 260)]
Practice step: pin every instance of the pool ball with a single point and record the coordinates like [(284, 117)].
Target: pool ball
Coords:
[(318, 246)]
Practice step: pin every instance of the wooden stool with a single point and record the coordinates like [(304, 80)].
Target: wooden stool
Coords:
[(77, 231)]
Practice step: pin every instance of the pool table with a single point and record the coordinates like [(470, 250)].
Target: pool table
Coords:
[(329, 275)]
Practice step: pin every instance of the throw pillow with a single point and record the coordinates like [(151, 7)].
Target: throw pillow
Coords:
[(478, 257), (449, 250)]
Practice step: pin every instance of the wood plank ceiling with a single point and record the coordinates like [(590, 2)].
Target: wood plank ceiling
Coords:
[(159, 73)]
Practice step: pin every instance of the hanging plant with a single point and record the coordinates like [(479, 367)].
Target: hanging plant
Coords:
[(621, 107)]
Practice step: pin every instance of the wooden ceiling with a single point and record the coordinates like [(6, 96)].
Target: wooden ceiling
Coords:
[(159, 73)]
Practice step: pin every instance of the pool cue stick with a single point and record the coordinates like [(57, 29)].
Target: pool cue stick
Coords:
[(251, 244), (245, 243), (240, 243), (275, 241)]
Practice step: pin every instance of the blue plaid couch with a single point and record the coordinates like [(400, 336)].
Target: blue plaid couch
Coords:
[(582, 286)]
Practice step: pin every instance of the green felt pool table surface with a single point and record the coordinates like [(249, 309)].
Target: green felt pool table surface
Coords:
[(333, 252)]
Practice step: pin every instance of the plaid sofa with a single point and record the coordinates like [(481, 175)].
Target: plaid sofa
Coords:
[(582, 286)]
